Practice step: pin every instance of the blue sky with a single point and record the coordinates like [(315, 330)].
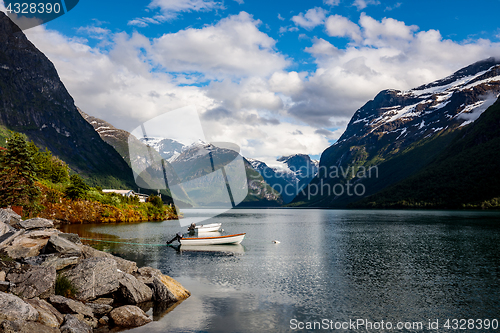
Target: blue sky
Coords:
[(275, 77)]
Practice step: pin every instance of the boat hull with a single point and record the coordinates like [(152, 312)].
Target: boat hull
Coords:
[(217, 240)]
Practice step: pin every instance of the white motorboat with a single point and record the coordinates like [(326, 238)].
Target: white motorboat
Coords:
[(216, 240), (207, 227)]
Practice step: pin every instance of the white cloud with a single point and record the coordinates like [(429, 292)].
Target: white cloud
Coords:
[(362, 4), (340, 26), (331, 2), (170, 9), (387, 54), (248, 96), (94, 32), (123, 85), (234, 46), (281, 18), (396, 5), (312, 18)]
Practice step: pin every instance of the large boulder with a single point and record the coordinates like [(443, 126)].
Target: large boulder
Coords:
[(74, 325), (61, 245), (36, 223), (9, 216), (53, 260), (28, 244), (94, 277), (165, 289), (48, 315), (21, 326), (7, 238), (32, 281), (133, 291), (70, 306), (123, 265), (100, 310), (14, 308), (5, 228), (129, 316), (71, 237)]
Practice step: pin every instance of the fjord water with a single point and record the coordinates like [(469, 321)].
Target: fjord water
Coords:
[(396, 266)]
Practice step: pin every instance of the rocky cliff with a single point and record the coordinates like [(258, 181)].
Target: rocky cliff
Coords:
[(34, 101)]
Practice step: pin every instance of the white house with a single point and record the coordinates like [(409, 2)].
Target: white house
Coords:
[(128, 193)]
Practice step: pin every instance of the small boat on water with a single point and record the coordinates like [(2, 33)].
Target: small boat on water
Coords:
[(208, 227), (216, 240)]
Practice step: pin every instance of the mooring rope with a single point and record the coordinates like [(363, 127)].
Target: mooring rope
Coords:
[(126, 243)]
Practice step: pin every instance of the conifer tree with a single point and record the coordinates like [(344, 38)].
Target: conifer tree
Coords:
[(17, 174)]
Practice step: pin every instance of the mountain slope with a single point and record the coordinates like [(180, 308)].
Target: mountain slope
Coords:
[(294, 173), (400, 132), (465, 174), (35, 102)]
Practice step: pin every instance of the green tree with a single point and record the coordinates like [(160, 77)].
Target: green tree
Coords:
[(47, 166), (17, 174), (155, 201), (77, 189)]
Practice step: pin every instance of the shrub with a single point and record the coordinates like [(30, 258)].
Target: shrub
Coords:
[(64, 287)]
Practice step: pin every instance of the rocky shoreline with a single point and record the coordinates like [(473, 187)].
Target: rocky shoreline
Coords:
[(51, 282)]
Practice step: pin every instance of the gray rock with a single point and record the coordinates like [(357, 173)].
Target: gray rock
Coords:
[(104, 300), (74, 238), (94, 277), (60, 262), (104, 320), (123, 265), (161, 292), (26, 245), (35, 223), (57, 244), (32, 281), (21, 326), (10, 217), (69, 306), (73, 325), (146, 274), (48, 315), (52, 260), (9, 237), (14, 308), (129, 316), (100, 309), (4, 286), (133, 291), (4, 228)]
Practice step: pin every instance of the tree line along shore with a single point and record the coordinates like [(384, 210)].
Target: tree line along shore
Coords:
[(43, 186)]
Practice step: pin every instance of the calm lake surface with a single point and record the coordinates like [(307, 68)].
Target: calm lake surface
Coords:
[(337, 265)]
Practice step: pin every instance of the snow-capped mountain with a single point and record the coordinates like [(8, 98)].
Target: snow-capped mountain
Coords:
[(167, 148), (289, 176), (400, 132), (403, 117)]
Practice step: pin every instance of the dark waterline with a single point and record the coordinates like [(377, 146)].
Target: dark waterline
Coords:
[(395, 266)]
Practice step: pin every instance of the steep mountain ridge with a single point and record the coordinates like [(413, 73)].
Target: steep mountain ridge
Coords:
[(464, 175), (34, 101), (399, 132), (289, 178)]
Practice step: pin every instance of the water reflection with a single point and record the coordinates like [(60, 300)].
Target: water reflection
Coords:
[(339, 265)]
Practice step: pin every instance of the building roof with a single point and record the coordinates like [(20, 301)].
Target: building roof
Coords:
[(118, 191)]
